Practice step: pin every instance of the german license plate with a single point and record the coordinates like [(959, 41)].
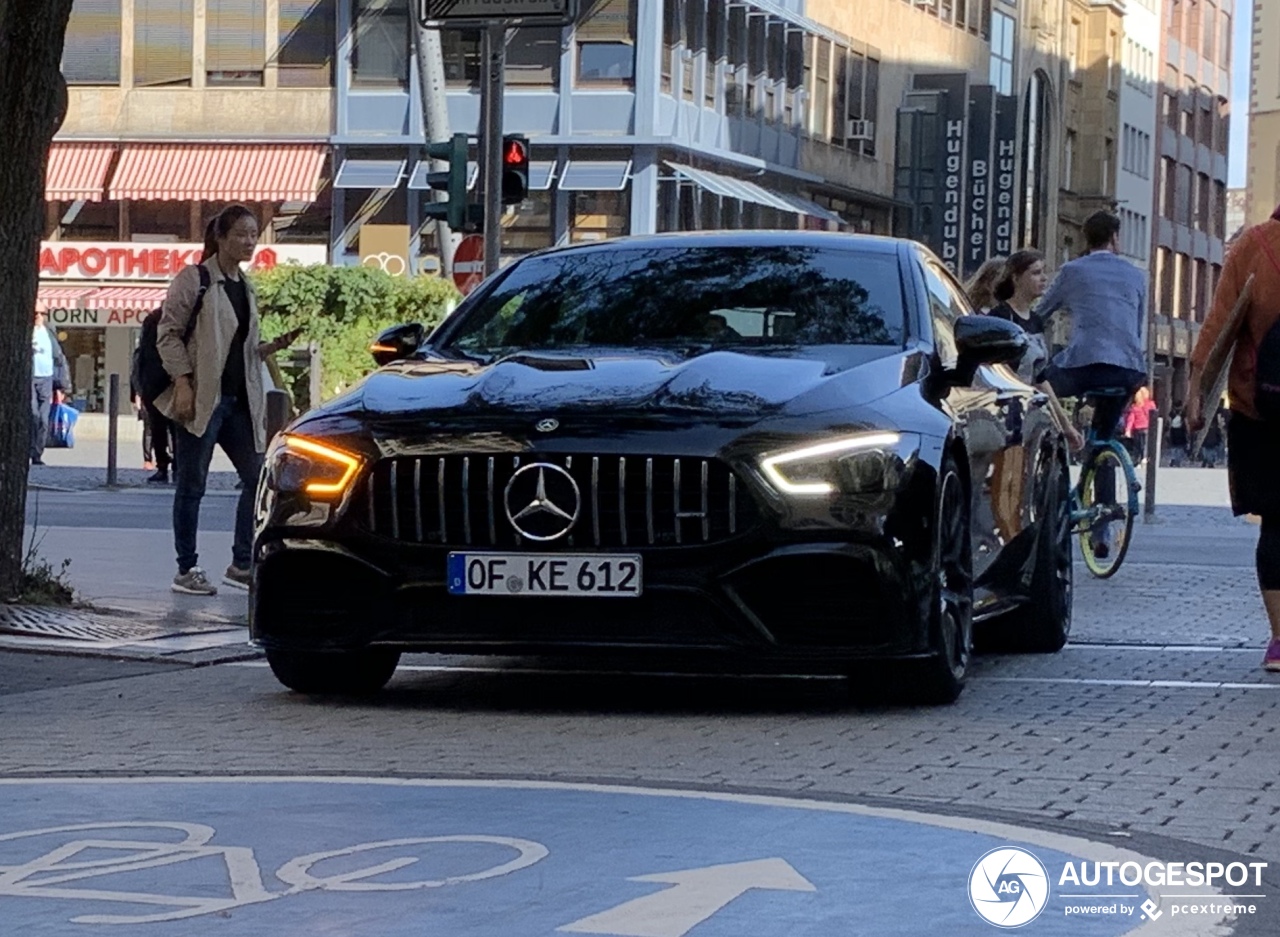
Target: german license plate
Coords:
[(563, 574)]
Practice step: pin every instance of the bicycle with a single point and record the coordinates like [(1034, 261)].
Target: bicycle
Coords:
[(1107, 524)]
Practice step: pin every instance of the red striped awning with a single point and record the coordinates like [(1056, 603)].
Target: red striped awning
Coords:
[(126, 297), (234, 172), (77, 171), (61, 297)]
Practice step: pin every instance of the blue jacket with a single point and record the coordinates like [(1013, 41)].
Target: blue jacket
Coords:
[(1106, 297)]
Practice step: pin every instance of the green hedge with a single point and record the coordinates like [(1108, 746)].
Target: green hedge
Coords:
[(344, 308)]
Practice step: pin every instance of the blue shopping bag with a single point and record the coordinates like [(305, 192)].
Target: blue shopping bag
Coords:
[(62, 424)]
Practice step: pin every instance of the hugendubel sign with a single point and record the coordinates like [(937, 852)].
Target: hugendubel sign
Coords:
[(134, 261)]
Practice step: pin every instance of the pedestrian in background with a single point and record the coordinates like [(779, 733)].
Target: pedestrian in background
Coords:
[(1253, 434), (1211, 451), (217, 397), (982, 285), (1022, 282), (1178, 439), (50, 377), (157, 429), (1137, 424)]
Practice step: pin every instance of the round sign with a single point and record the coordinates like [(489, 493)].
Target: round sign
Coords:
[(468, 263)]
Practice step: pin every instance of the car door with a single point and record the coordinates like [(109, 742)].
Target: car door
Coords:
[(990, 413)]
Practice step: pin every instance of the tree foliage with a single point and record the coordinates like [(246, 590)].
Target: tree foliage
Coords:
[(344, 308)]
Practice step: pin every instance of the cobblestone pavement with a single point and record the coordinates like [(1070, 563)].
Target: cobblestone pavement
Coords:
[(1156, 720)]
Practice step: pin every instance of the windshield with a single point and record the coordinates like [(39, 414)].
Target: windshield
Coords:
[(715, 296)]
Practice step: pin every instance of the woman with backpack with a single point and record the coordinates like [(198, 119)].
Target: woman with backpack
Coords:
[(210, 346), (1253, 430)]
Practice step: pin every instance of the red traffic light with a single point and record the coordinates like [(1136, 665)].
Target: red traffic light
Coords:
[(515, 152)]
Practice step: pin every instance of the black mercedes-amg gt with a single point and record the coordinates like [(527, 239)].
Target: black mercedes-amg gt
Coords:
[(794, 446)]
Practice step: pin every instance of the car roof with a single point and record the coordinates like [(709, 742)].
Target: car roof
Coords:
[(830, 240)]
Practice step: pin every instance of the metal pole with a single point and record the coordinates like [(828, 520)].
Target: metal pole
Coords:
[(495, 65), (1153, 463), (435, 123), (113, 417), (315, 385)]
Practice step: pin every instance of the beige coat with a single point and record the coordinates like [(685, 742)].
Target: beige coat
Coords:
[(205, 355)]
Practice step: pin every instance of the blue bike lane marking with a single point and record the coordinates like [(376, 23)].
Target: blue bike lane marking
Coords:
[(385, 858)]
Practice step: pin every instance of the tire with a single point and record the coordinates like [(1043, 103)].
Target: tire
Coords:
[(1043, 624), (1106, 567), (940, 679), (347, 673)]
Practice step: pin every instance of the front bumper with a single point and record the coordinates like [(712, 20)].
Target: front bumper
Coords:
[(799, 600)]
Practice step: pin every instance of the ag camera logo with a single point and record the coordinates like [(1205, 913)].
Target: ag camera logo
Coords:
[(1009, 887)]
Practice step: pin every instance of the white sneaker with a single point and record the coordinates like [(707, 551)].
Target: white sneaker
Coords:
[(193, 582)]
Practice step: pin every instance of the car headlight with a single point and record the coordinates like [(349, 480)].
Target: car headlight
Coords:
[(863, 464), (306, 466)]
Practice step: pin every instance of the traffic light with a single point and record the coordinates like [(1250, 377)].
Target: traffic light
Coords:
[(453, 211), (515, 169)]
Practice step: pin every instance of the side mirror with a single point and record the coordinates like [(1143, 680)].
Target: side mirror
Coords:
[(398, 342), (986, 340)]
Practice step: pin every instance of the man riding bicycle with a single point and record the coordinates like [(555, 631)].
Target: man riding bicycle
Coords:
[(1106, 297)]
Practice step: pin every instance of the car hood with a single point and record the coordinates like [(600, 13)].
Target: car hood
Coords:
[(716, 384)]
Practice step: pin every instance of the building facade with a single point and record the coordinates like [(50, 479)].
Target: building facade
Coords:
[(176, 108), (645, 116), (1190, 233), (977, 126), (1263, 180), (1136, 159)]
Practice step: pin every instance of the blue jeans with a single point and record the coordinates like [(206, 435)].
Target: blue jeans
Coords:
[(230, 427), (41, 400)]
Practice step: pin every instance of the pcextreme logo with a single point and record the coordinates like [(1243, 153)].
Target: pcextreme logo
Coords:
[(1009, 887)]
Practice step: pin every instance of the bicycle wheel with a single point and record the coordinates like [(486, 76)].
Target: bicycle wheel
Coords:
[(1107, 527)]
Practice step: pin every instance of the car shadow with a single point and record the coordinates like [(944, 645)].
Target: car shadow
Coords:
[(606, 686)]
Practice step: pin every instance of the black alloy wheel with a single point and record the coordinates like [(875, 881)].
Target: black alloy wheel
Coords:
[(1043, 624), (338, 673), (943, 676)]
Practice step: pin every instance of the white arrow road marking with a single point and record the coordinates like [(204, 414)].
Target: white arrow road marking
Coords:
[(698, 894)]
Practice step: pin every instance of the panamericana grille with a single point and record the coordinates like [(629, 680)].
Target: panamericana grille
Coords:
[(625, 501)]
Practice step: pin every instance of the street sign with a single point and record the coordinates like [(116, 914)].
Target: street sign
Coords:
[(453, 13), (468, 263)]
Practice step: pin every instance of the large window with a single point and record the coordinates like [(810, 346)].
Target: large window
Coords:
[(381, 55), (822, 89), (533, 57), (596, 216), (307, 39), (461, 57), (162, 42), (235, 41), (1003, 28), (717, 27), (606, 37), (91, 55), (1207, 44)]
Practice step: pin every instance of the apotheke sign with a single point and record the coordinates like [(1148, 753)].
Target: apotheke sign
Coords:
[(142, 262)]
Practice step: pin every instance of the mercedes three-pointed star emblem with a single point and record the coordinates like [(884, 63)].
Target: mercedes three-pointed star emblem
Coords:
[(542, 501)]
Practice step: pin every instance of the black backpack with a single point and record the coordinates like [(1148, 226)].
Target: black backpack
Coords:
[(148, 376), (1267, 362), (1267, 376)]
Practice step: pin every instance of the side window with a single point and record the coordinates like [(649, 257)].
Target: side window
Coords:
[(942, 312)]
